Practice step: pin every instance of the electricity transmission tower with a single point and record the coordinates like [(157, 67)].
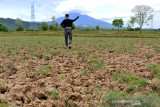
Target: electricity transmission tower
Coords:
[(32, 15), (32, 11)]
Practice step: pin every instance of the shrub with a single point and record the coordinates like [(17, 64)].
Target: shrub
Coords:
[(44, 26), (20, 28), (29, 30), (3, 28), (51, 27), (97, 27), (137, 29), (73, 26)]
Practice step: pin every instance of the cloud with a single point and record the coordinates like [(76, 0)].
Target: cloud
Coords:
[(81, 11), (158, 11), (99, 9), (105, 18)]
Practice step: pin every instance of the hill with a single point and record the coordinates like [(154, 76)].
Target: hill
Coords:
[(10, 24), (84, 21)]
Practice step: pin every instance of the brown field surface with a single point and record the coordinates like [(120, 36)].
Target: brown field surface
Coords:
[(36, 71)]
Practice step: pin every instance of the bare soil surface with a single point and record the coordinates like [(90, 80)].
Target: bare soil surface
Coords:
[(59, 82)]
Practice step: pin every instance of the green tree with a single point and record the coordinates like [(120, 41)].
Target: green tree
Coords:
[(3, 28), (128, 27), (73, 26), (118, 23), (20, 28), (143, 13), (55, 24), (131, 23), (44, 26), (19, 24), (53, 19), (51, 27), (97, 27)]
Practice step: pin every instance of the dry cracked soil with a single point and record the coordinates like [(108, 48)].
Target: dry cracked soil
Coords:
[(66, 80)]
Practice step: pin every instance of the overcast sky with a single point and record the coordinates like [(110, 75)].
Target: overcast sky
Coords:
[(106, 10)]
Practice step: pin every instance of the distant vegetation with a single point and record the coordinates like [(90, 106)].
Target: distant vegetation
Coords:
[(20, 28), (44, 26), (97, 27), (19, 24), (3, 28), (54, 23), (11, 25), (73, 26), (118, 23)]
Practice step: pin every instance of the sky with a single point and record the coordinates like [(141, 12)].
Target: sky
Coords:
[(105, 10)]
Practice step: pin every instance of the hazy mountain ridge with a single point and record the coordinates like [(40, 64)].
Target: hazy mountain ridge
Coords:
[(87, 21), (11, 25), (83, 21)]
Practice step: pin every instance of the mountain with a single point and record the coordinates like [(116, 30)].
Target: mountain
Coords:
[(86, 21), (83, 21), (10, 24)]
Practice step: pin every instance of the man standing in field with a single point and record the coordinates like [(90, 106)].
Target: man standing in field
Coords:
[(67, 23)]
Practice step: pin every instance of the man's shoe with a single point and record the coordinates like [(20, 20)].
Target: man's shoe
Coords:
[(70, 47), (66, 48)]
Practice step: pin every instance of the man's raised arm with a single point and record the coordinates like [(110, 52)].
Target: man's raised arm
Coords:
[(75, 18)]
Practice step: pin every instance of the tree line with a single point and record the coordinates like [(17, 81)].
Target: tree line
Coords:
[(44, 26)]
